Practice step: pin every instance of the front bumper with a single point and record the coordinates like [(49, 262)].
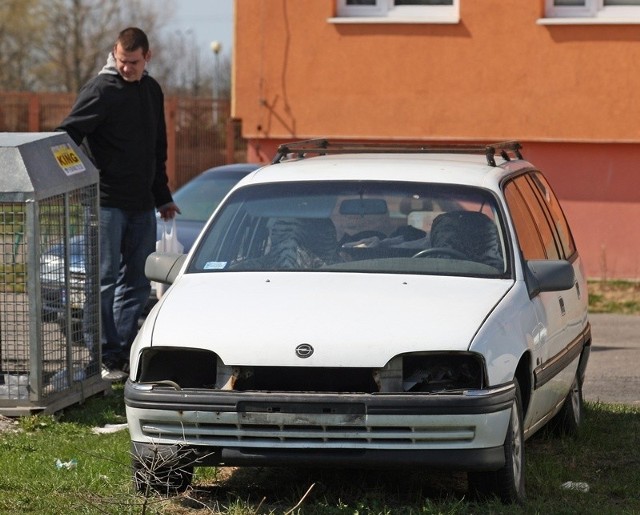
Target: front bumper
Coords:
[(463, 430)]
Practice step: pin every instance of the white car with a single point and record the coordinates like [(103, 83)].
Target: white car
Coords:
[(356, 305)]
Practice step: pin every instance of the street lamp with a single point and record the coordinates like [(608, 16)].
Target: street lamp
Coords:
[(216, 47)]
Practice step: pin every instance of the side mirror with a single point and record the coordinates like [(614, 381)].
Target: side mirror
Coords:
[(549, 275), (163, 267)]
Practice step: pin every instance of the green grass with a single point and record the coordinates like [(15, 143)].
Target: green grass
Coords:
[(605, 456)]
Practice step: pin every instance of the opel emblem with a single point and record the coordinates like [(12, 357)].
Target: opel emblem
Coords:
[(304, 350)]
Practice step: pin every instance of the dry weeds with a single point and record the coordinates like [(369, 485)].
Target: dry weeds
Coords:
[(622, 297)]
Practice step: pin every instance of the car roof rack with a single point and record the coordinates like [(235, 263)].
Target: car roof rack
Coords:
[(301, 149)]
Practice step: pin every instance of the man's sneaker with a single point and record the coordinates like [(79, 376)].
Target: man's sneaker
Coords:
[(113, 374)]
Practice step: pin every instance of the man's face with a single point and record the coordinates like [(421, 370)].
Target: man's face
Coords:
[(130, 64)]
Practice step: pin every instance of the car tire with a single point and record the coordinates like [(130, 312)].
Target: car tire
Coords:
[(569, 419), (506, 483), (167, 481)]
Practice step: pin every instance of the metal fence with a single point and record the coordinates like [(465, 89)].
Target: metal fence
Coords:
[(200, 132)]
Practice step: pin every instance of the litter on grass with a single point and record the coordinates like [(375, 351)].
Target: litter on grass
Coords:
[(576, 485), (68, 465), (108, 428)]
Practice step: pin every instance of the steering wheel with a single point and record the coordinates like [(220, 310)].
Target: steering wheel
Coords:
[(433, 252)]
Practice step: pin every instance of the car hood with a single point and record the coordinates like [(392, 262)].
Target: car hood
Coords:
[(255, 318)]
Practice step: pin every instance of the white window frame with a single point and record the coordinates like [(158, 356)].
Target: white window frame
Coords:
[(379, 9), (385, 11), (595, 9)]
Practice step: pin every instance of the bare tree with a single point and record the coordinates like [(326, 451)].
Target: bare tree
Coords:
[(177, 63), (81, 34), (20, 33), (184, 68), (58, 45)]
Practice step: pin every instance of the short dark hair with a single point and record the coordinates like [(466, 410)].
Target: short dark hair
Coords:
[(132, 38)]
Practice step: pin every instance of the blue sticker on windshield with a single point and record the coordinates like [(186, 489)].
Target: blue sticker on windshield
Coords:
[(215, 265)]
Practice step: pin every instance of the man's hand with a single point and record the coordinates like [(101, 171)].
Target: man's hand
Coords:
[(168, 211)]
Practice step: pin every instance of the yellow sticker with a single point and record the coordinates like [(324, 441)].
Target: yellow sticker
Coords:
[(67, 158)]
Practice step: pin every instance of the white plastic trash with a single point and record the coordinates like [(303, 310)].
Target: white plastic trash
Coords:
[(16, 386), (59, 380), (576, 485)]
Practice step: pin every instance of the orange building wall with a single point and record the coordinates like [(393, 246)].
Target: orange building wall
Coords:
[(599, 186), (496, 75)]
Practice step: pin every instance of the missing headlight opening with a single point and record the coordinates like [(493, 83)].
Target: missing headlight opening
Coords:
[(188, 368), (441, 372), (426, 373)]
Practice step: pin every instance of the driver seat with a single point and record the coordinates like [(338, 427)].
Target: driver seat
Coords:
[(472, 233)]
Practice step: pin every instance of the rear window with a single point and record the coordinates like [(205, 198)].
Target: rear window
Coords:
[(356, 227)]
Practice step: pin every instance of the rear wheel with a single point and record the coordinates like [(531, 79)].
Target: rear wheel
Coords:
[(569, 418), (506, 483)]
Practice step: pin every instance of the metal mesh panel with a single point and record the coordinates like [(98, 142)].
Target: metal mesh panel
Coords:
[(14, 312), (49, 285), (70, 288), (50, 303)]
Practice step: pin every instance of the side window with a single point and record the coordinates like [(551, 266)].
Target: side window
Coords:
[(558, 218), (540, 217), (526, 231)]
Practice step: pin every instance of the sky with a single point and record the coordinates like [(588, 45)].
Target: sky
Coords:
[(210, 20)]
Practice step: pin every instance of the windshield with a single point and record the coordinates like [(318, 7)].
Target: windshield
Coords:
[(389, 227)]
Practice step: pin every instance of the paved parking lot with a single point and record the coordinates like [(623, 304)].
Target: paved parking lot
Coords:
[(613, 373)]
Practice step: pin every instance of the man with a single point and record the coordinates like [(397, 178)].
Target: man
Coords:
[(118, 118)]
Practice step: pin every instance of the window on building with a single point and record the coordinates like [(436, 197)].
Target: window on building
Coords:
[(444, 11), (620, 10)]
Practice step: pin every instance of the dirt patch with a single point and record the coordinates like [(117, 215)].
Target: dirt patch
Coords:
[(8, 425)]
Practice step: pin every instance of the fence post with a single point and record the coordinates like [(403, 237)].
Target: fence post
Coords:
[(230, 146), (171, 109), (34, 113)]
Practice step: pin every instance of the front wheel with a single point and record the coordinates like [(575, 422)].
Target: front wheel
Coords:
[(506, 483), (164, 478)]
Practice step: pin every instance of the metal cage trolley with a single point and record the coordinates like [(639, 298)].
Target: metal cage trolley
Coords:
[(49, 286)]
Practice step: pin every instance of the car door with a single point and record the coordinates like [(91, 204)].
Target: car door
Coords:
[(537, 240)]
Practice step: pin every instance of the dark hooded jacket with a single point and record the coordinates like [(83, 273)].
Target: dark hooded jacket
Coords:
[(121, 126)]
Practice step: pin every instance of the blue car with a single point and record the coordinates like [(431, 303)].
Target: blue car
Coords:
[(56, 293), (199, 197)]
